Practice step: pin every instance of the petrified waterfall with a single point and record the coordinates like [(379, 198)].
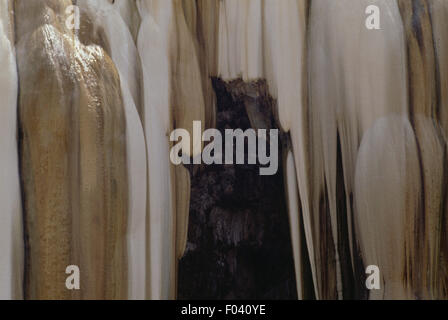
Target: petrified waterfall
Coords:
[(73, 148), (96, 95)]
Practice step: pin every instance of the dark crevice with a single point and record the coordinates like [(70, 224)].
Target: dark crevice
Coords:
[(239, 244)]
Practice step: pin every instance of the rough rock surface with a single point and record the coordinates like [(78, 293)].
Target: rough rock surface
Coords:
[(238, 239)]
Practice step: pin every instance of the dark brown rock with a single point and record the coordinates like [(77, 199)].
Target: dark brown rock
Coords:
[(239, 243)]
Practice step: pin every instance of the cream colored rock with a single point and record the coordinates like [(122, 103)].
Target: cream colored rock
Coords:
[(120, 43), (129, 12), (252, 40), (125, 56), (11, 224), (229, 39), (173, 99), (364, 79), (137, 177), (285, 31), (387, 168), (153, 45)]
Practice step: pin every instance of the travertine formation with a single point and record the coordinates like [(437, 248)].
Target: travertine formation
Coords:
[(73, 157), (87, 115)]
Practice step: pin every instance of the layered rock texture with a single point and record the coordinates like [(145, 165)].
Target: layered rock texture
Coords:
[(92, 91)]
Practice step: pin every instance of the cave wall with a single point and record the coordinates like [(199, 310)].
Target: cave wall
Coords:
[(239, 244)]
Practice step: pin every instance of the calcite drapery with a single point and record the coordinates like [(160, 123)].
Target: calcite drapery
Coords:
[(362, 112), (73, 165)]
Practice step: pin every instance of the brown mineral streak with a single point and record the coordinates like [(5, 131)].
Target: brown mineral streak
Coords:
[(188, 106), (424, 274), (73, 158), (202, 20)]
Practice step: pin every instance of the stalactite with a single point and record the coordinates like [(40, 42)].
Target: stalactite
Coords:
[(187, 95), (260, 39), (322, 156), (120, 44), (173, 99), (431, 146), (202, 19), (73, 158), (285, 31), (229, 39), (285, 69), (252, 40), (238, 239), (124, 54), (382, 93), (365, 80), (188, 106), (153, 46), (387, 167)]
